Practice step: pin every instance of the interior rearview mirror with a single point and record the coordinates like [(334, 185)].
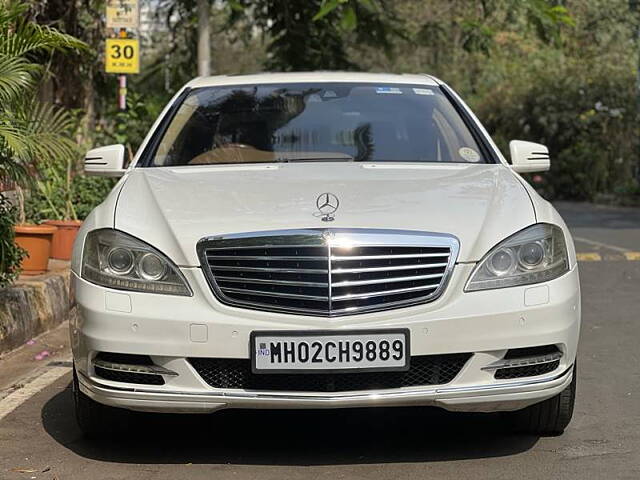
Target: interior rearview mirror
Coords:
[(105, 161), (528, 156)]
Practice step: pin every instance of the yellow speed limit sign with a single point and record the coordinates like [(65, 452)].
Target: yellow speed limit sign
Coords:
[(122, 55)]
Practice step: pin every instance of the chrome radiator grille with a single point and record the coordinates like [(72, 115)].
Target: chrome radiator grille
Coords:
[(328, 271)]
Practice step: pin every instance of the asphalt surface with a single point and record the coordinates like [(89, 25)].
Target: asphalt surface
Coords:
[(40, 439)]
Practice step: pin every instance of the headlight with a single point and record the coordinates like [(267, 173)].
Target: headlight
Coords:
[(116, 260), (535, 254)]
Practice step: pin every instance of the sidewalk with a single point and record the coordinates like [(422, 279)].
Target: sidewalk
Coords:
[(20, 366)]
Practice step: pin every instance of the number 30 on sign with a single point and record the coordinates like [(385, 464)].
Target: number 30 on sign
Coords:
[(122, 55)]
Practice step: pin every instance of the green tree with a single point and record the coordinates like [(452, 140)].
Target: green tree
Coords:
[(30, 131), (314, 35), (299, 35)]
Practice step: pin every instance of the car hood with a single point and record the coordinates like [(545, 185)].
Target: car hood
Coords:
[(173, 208)]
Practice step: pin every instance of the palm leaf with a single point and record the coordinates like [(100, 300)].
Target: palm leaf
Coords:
[(25, 37), (20, 37), (16, 74), (47, 130), (12, 140), (31, 133)]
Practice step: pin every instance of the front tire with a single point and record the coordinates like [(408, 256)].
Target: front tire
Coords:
[(550, 417), (95, 419)]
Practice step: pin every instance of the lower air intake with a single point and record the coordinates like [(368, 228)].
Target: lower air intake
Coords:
[(528, 371), (124, 376), (534, 361), (236, 374), (129, 377)]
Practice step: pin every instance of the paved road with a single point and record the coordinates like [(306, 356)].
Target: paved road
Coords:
[(603, 441)]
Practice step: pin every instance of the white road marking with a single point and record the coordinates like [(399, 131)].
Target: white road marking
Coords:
[(12, 401), (600, 244)]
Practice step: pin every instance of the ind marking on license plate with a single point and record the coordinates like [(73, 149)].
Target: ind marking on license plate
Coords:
[(319, 352)]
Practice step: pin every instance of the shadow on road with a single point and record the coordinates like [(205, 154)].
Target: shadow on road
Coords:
[(298, 437)]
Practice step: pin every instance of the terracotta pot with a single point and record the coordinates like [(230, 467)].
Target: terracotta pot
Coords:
[(36, 240), (63, 238)]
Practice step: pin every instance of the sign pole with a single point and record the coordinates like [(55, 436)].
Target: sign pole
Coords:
[(122, 92), (122, 82)]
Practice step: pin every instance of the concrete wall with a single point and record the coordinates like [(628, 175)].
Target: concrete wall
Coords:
[(33, 306)]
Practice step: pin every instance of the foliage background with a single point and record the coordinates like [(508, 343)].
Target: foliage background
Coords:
[(560, 72)]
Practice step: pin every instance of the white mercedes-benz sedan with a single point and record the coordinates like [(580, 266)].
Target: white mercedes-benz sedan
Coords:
[(323, 240)]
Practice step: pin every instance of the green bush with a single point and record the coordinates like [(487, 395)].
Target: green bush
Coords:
[(89, 192), (587, 119), (127, 127), (10, 254), (86, 193)]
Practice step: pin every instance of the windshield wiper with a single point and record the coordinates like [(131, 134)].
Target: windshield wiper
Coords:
[(290, 157)]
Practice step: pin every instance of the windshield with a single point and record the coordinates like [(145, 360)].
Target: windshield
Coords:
[(316, 122)]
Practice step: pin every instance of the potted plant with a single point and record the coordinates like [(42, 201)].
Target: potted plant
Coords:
[(63, 238), (34, 239), (62, 197), (52, 201)]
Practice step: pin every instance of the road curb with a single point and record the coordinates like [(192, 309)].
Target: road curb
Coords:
[(32, 306)]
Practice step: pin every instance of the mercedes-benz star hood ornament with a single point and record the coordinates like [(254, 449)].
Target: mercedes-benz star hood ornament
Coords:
[(327, 204)]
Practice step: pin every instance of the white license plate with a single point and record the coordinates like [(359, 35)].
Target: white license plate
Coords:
[(320, 352)]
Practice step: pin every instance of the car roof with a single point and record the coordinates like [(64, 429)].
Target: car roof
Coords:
[(312, 77)]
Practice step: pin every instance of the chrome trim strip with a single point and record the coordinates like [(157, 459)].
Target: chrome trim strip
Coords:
[(337, 258), (524, 361), (395, 291), (377, 396), (275, 294), (270, 269), (142, 369), (330, 277), (418, 266), (355, 283), (522, 383), (268, 281), (243, 247), (268, 307), (303, 258)]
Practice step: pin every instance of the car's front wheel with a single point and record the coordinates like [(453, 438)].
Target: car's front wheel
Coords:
[(549, 417), (95, 419)]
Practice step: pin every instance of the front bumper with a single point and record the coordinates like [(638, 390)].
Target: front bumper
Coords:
[(481, 398), (172, 329)]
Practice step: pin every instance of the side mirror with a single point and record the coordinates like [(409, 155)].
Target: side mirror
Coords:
[(105, 161), (528, 156)]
